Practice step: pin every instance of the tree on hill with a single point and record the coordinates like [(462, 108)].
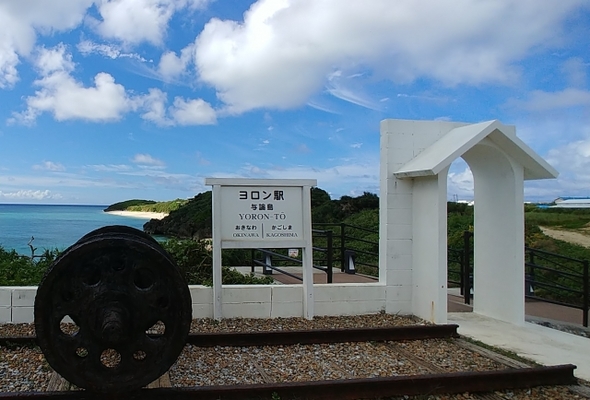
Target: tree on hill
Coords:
[(124, 205), (191, 220)]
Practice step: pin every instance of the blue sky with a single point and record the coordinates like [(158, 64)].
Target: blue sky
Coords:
[(107, 100)]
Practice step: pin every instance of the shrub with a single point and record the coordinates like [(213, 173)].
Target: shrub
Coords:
[(194, 259), (19, 270)]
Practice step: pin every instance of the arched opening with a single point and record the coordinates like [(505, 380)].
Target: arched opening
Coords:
[(459, 221)]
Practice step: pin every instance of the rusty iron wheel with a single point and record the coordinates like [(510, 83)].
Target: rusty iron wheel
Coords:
[(130, 304)]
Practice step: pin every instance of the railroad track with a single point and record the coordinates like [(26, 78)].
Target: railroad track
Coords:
[(434, 378)]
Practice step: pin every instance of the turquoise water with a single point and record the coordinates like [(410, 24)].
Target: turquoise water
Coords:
[(53, 225)]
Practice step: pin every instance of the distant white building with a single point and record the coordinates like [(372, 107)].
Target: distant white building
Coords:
[(572, 202)]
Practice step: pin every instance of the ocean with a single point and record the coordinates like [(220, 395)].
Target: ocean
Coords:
[(53, 226)]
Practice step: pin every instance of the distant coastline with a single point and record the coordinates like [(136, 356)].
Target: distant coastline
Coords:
[(138, 214)]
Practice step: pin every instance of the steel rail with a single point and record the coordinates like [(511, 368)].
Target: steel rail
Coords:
[(445, 383), (275, 338), (314, 336)]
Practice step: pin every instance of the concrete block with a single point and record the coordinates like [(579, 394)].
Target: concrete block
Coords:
[(5, 314), (399, 231), (399, 200), (349, 292), (22, 315), (246, 294), (202, 311), (286, 293), (286, 309), (5, 296), (246, 310), (201, 294), (399, 247), (400, 216), (399, 277), (398, 293), (330, 308), (24, 296)]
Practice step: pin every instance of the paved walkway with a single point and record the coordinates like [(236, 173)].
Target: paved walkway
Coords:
[(544, 345), (533, 310)]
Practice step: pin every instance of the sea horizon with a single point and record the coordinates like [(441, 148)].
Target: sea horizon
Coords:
[(55, 204), (54, 225)]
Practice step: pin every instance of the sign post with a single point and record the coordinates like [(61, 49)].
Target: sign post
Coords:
[(262, 213)]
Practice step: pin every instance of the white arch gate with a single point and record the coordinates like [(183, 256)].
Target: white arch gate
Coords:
[(415, 158)]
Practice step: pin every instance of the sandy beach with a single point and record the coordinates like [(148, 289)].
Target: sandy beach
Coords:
[(139, 214)]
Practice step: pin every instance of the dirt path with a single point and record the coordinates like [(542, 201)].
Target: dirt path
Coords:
[(568, 236)]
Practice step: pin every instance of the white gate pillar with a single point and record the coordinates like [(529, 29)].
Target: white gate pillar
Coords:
[(429, 247), (498, 276)]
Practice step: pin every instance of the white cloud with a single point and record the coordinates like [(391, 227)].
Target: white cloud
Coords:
[(63, 96), (49, 166), (8, 62), (20, 23), (572, 160), (541, 101), (87, 47), (147, 160), (53, 60), (460, 182), (192, 112), (66, 98), (109, 167), (172, 66), (182, 112), (136, 21), (575, 71), (345, 88), (30, 195), (154, 106), (356, 145), (284, 50), (354, 176)]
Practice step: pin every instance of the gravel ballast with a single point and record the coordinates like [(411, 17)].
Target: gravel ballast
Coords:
[(24, 368)]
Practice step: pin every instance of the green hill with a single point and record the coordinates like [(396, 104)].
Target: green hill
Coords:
[(147, 206), (124, 205)]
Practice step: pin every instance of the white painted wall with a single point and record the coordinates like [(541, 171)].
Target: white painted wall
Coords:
[(245, 301), (406, 253)]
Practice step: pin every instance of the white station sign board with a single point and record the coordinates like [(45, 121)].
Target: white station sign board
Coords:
[(261, 213), (265, 213)]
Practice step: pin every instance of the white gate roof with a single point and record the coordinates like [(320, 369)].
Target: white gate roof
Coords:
[(438, 156)]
